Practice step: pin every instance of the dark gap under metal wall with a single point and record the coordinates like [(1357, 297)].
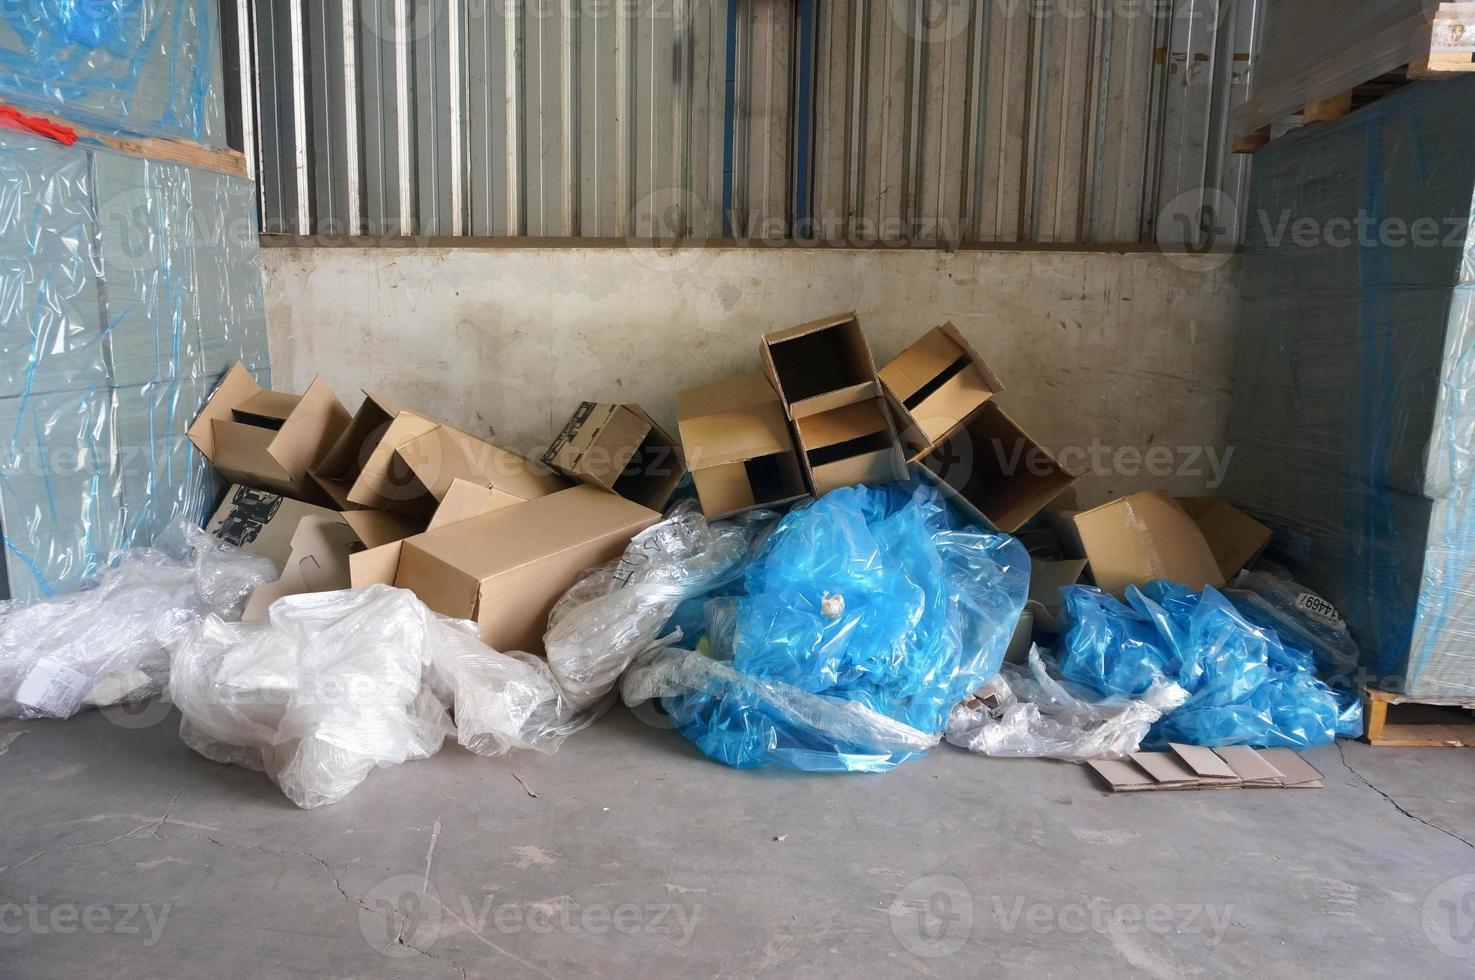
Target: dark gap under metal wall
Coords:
[(923, 121)]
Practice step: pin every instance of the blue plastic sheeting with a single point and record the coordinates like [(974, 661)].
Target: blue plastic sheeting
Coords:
[(1353, 417), (127, 288), (150, 67), (863, 619), (1245, 686)]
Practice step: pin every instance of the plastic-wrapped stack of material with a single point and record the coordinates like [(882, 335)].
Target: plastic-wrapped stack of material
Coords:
[(864, 618), (109, 643), (1354, 399), (129, 286), (1245, 687)]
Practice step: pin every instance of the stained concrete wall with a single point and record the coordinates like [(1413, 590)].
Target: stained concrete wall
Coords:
[(1119, 362)]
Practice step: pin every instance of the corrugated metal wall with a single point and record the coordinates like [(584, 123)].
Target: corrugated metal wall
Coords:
[(924, 121)]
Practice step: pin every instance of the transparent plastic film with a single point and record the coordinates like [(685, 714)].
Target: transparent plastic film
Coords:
[(148, 67), (129, 287)]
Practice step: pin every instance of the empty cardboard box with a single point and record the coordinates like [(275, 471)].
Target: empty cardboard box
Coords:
[(848, 446), (505, 569), (994, 470), (262, 522), (821, 365), (737, 445), (935, 384), (336, 472), (1139, 538), (618, 448), (417, 459), (1235, 538), (268, 439)]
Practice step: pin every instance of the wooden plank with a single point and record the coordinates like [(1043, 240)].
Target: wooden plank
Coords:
[(156, 148), (1417, 722), (1329, 110)]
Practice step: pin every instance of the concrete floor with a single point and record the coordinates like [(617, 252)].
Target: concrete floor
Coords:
[(123, 854)]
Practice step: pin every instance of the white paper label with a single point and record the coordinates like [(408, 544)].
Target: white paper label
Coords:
[(54, 689), (1316, 606)]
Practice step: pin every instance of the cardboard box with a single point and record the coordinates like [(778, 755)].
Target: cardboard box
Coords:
[(505, 569), (417, 459), (336, 472), (1235, 538), (1142, 537), (848, 446), (736, 440), (618, 448), (994, 470), (262, 522), (269, 439), (318, 563), (935, 384), (821, 366)]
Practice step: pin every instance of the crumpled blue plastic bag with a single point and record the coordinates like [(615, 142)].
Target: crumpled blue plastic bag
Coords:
[(1246, 687), (861, 621)]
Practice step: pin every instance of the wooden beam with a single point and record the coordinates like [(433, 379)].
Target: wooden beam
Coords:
[(1329, 110), (155, 147), (1251, 142)]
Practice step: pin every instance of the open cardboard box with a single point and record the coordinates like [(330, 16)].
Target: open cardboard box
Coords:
[(618, 448), (935, 384), (1150, 535), (336, 472), (506, 567), (994, 470), (821, 366), (269, 439), (736, 441), (417, 459), (848, 446), (262, 522)]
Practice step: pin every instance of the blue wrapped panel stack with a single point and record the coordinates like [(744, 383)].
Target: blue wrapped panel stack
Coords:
[(1353, 421)]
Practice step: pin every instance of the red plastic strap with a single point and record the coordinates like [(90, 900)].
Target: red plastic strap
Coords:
[(13, 118)]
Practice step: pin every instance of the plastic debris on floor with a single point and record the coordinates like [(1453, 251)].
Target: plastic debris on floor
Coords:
[(108, 643), (865, 617), (1245, 686)]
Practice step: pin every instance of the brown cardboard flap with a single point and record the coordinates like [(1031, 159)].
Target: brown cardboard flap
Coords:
[(821, 365), (1204, 763), (377, 566), (849, 446), (886, 466), (1143, 537), (345, 459), (319, 562), (1250, 766), (729, 421), (268, 409), (383, 477), (310, 430), (242, 453), (995, 469), (465, 500), (842, 425), (236, 387), (937, 383), (1235, 538), (1122, 776), (1297, 773), (441, 585)]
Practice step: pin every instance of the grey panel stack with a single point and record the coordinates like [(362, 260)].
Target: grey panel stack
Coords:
[(1354, 409)]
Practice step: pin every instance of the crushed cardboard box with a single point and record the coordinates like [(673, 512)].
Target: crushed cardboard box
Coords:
[(506, 568), (1186, 767), (736, 440), (1149, 535), (935, 384), (269, 439), (417, 459), (621, 449)]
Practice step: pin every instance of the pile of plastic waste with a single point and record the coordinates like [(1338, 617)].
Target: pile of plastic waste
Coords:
[(859, 624)]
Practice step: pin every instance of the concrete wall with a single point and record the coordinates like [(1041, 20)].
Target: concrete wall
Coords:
[(1104, 356)]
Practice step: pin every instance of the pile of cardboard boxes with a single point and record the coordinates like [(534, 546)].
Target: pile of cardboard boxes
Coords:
[(389, 495)]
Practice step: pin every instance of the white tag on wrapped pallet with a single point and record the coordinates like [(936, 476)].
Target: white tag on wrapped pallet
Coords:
[(53, 688)]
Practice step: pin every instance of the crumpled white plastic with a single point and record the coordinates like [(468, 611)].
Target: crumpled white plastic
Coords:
[(1035, 716), (334, 684), (108, 643)]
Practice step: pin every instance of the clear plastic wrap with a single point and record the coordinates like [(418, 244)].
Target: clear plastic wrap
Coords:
[(1245, 687), (617, 611), (109, 643), (150, 67), (335, 684), (1304, 621), (1036, 716), (1353, 418), (866, 616), (127, 288)]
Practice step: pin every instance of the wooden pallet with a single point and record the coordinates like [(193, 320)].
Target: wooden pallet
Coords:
[(1412, 722)]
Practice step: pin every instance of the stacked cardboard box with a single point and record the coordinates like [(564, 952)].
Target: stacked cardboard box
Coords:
[(395, 497)]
